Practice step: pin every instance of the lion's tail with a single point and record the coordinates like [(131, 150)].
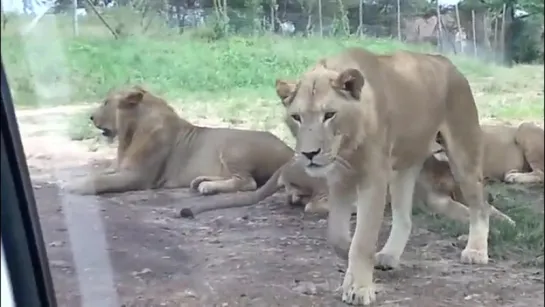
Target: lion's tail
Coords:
[(236, 200)]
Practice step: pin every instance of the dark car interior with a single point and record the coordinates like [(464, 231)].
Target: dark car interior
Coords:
[(22, 240)]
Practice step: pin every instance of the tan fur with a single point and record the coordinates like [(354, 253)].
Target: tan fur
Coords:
[(513, 154), (365, 123), (158, 149)]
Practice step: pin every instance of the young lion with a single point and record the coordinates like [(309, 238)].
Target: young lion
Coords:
[(158, 149), (365, 123)]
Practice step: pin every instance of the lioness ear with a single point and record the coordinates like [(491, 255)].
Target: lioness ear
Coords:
[(351, 81), (134, 96), (284, 90)]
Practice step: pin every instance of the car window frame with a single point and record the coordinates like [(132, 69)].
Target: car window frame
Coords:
[(21, 233)]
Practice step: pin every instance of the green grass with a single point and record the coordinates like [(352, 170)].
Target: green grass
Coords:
[(523, 243), (230, 82)]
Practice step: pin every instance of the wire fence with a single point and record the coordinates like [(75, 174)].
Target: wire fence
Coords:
[(476, 33)]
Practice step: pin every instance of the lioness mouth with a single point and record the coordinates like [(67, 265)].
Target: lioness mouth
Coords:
[(313, 165)]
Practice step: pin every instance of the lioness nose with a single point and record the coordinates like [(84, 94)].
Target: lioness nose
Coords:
[(311, 154)]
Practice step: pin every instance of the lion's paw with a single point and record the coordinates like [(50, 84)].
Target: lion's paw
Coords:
[(356, 294), (195, 183), (207, 188), (386, 262), (79, 186), (474, 256), (518, 177), (511, 176)]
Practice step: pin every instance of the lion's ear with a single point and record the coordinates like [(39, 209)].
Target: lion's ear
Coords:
[(351, 81), (133, 97), (284, 90)]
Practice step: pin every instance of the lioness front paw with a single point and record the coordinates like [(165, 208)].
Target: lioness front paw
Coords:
[(316, 208), (195, 183), (474, 256), (385, 261), (357, 294), (512, 176), (207, 188)]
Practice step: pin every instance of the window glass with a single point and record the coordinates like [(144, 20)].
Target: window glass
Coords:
[(120, 104)]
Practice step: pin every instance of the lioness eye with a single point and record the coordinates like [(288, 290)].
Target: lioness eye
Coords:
[(296, 117), (328, 115), (105, 102)]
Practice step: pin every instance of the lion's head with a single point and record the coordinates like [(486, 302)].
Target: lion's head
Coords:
[(124, 109), (325, 112), (105, 117)]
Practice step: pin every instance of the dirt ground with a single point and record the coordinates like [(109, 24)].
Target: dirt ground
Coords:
[(130, 250)]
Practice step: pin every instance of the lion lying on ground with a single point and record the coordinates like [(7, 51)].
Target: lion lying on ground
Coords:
[(365, 123), (435, 187), (513, 154), (158, 149)]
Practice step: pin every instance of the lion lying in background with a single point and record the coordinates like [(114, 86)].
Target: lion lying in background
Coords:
[(435, 187), (158, 149), (513, 154)]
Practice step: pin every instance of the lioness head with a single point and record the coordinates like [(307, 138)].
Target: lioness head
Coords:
[(105, 117), (325, 112)]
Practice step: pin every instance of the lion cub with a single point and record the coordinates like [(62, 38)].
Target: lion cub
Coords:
[(158, 149)]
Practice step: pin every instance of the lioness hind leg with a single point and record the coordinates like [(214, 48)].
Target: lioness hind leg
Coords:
[(465, 154), (401, 193), (212, 185)]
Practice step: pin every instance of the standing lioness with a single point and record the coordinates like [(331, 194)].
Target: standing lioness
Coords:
[(158, 149), (364, 121)]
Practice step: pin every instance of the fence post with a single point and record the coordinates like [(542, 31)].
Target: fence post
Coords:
[(496, 19), (320, 18), (473, 29), (439, 28), (273, 15), (75, 17), (502, 35), (486, 33), (398, 19), (459, 24), (360, 13)]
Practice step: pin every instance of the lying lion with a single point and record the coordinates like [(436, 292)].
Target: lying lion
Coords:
[(435, 187), (513, 154), (158, 149)]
